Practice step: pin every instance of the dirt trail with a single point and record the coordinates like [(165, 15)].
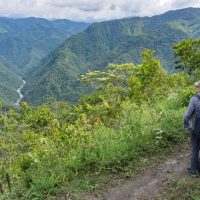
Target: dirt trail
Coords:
[(149, 185)]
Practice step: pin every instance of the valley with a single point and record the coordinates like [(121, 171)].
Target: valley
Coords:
[(53, 58), (24, 42), (116, 41), (95, 110)]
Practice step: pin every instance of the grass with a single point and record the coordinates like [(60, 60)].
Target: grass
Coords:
[(186, 188), (43, 164)]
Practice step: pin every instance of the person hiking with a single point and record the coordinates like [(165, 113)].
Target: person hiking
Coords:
[(189, 118)]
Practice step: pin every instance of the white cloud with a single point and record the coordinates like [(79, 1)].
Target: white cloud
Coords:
[(90, 9)]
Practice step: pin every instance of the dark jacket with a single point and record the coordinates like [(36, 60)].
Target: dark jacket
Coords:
[(193, 107)]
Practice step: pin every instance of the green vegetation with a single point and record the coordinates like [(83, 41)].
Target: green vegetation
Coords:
[(182, 189), (9, 82), (131, 113), (24, 42), (188, 52), (55, 148), (117, 41)]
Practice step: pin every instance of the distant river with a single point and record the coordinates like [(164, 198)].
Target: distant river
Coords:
[(20, 93)]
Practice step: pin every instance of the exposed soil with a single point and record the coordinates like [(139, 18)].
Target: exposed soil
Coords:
[(150, 184)]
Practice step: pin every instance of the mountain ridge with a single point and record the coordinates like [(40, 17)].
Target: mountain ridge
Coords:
[(24, 42), (102, 43)]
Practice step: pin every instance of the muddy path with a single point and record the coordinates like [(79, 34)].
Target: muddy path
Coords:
[(150, 184)]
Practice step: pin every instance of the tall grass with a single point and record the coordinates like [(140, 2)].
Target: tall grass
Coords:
[(40, 165)]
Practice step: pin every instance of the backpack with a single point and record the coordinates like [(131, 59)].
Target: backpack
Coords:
[(196, 127)]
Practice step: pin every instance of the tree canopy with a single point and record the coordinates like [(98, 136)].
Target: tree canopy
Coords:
[(187, 55)]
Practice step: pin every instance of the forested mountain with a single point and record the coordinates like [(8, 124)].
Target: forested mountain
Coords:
[(116, 41), (9, 82), (24, 42)]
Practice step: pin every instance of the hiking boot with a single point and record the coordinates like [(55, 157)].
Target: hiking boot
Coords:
[(192, 173)]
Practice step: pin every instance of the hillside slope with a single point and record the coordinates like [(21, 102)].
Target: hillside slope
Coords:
[(116, 41), (9, 82), (24, 42)]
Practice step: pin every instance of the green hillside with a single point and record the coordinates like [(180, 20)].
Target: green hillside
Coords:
[(24, 42), (9, 82), (116, 41)]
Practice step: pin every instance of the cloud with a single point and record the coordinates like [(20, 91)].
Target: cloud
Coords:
[(92, 10), (84, 5)]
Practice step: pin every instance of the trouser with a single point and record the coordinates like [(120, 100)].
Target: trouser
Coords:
[(195, 144)]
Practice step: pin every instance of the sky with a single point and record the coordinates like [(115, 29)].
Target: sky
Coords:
[(90, 10)]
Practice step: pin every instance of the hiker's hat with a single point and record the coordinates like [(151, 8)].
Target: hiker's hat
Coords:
[(197, 84)]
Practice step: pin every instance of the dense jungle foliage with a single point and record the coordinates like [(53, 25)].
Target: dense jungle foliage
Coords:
[(134, 113), (116, 41), (24, 42)]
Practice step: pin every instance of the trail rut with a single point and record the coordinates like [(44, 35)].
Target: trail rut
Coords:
[(150, 184)]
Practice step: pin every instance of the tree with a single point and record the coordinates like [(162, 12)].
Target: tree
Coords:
[(187, 55), (138, 83)]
